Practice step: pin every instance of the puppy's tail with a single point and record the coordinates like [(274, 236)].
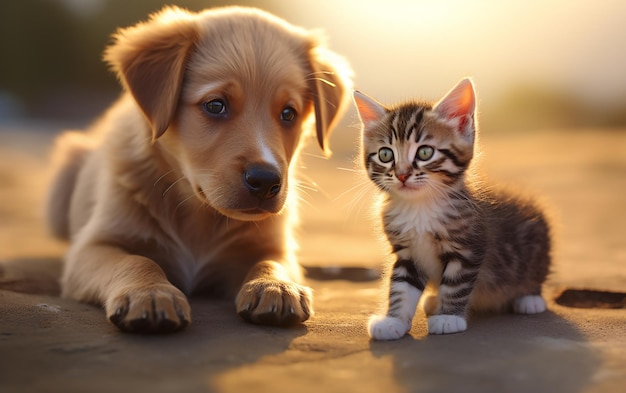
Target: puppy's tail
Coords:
[(69, 155)]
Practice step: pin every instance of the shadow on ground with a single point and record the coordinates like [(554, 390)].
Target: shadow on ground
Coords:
[(52, 344), (503, 353), (72, 347)]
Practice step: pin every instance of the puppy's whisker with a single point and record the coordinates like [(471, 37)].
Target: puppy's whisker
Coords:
[(313, 75), (353, 170), (319, 75), (172, 185), (306, 183), (302, 196), (314, 156), (303, 178), (329, 83), (306, 202), (183, 201), (305, 188), (327, 101), (161, 177)]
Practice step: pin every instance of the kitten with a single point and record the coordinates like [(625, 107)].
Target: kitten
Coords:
[(483, 250)]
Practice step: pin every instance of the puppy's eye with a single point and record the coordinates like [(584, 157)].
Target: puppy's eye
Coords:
[(288, 114), (215, 107)]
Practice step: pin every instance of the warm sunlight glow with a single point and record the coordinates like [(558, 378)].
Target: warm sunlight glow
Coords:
[(425, 46)]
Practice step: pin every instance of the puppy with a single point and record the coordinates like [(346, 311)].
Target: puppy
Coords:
[(186, 183)]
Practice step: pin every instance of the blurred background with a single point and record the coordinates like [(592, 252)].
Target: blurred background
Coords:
[(537, 64)]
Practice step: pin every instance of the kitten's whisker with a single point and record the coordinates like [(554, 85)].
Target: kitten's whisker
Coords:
[(359, 191), (361, 183), (359, 201)]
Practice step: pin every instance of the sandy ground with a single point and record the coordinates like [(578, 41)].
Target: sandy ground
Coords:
[(48, 344)]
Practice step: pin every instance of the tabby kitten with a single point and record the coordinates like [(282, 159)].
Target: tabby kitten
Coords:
[(483, 250)]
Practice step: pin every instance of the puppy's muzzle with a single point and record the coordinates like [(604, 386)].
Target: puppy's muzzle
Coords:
[(263, 181)]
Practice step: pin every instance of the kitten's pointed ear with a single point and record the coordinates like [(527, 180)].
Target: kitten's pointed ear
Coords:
[(459, 103), (370, 111)]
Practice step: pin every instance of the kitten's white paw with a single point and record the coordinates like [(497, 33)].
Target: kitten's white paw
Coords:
[(446, 324), (382, 328), (531, 304)]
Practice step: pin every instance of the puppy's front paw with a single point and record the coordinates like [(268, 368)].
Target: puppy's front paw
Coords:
[(156, 309), (273, 302)]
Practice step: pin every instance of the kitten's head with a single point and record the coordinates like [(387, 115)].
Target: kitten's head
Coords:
[(417, 149)]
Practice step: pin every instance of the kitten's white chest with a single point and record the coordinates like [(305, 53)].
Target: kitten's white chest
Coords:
[(416, 218), (419, 225)]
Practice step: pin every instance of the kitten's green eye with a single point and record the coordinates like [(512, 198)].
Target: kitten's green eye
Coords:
[(424, 153), (385, 154)]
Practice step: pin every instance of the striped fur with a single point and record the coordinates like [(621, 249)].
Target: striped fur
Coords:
[(481, 249)]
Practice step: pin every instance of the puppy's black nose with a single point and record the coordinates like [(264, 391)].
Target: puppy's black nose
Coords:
[(262, 181)]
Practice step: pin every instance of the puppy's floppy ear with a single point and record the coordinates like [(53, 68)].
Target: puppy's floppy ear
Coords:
[(149, 59), (330, 83)]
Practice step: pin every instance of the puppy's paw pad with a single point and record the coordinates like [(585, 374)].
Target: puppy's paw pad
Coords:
[(531, 304), (159, 309), (273, 302), (446, 324), (383, 328)]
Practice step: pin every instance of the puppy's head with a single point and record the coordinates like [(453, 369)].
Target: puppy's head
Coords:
[(228, 94)]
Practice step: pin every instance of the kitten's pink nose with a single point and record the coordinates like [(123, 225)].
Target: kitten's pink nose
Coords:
[(403, 176)]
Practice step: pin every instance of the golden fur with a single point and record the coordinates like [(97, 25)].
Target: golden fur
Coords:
[(160, 199)]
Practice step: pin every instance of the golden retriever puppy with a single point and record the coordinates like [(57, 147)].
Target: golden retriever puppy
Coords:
[(186, 183)]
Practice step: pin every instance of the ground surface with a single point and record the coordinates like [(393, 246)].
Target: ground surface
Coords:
[(48, 344)]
